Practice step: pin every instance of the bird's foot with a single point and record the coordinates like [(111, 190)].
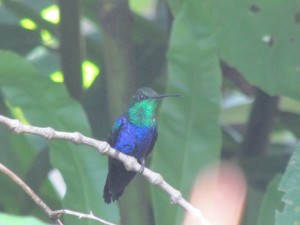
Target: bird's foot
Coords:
[(142, 166)]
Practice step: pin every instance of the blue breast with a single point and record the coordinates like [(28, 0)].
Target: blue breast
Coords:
[(134, 140)]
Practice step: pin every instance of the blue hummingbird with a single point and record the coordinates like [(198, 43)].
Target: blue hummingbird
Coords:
[(134, 133)]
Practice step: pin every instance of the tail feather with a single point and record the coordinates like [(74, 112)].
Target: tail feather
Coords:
[(106, 193), (108, 196), (116, 181)]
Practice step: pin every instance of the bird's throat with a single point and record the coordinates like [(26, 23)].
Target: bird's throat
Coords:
[(142, 113)]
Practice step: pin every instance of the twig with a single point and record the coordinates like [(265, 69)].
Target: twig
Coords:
[(30, 192), (82, 215), (130, 163), (53, 215)]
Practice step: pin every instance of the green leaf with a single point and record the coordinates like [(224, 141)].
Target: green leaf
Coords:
[(16, 38), (289, 184), (291, 121), (260, 40), (6, 219), (45, 103), (16, 153), (271, 203), (189, 134), (30, 10)]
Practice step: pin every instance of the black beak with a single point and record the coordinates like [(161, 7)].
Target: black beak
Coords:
[(166, 95)]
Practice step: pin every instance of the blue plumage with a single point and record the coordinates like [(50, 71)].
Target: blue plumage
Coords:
[(134, 140)]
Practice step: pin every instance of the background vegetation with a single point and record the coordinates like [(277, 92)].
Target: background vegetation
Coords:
[(235, 63)]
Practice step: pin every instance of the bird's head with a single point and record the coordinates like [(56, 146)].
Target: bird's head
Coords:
[(143, 104)]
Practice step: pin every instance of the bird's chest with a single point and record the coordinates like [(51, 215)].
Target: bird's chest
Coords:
[(134, 140)]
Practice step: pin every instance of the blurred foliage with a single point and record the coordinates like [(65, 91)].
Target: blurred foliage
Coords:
[(198, 79), (288, 185), (208, 49), (271, 203), (18, 220)]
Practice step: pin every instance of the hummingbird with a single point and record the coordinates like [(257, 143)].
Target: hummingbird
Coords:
[(134, 133)]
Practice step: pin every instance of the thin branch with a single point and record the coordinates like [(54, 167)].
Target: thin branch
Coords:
[(82, 215), (130, 163), (30, 192), (53, 215)]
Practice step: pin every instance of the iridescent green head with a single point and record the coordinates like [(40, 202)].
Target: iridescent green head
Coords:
[(142, 106)]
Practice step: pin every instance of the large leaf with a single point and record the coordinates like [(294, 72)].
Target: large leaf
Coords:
[(45, 103), (289, 184), (189, 135), (18, 155), (18, 39), (10, 193), (259, 38), (6, 219), (17, 160)]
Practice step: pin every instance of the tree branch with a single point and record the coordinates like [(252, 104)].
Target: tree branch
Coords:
[(30, 192), (81, 215), (53, 215), (260, 123), (130, 163)]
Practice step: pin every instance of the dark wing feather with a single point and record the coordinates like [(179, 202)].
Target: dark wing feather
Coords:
[(115, 131), (154, 138)]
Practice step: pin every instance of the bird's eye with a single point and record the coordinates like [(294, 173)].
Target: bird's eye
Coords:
[(142, 97)]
